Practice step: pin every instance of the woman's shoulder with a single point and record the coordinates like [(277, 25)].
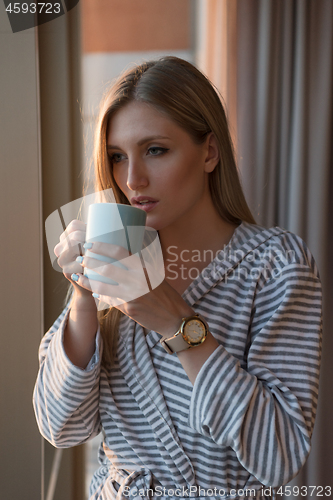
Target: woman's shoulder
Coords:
[(274, 244)]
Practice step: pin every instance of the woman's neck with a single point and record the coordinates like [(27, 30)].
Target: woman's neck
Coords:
[(191, 244), (199, 230)]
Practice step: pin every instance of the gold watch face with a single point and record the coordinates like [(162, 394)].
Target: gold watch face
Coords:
[(194, 332)]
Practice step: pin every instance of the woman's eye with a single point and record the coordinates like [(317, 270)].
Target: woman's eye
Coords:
[(156, 151), (116, 157)]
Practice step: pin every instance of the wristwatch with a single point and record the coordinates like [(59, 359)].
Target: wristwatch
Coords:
[(192, 332)]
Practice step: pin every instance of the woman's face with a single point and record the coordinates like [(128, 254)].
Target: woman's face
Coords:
[(154, 159)]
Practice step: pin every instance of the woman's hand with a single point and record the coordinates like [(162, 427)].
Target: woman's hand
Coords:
[(69, 248), (160, 309)]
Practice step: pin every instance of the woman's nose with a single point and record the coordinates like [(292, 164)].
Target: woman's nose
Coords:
[(136, 176)]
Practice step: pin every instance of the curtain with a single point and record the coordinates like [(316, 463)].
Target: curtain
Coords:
[(275, 72)]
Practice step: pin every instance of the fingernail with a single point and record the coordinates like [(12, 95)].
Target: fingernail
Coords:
[(96, 295), (79, 259), (87, 246), (75, 277)]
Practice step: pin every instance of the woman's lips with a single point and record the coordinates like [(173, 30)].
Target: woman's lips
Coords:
[(146, 206)]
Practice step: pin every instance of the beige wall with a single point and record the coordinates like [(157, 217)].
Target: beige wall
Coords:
[(21, 288), (135, 25), (61, 145), (39, 171)]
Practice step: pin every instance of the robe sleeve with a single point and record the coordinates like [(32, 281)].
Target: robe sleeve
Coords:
[(66, 397)]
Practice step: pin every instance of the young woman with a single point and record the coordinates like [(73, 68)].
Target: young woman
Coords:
[(226, 407)]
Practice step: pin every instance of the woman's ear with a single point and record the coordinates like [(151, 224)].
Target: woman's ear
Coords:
[(213, 154)]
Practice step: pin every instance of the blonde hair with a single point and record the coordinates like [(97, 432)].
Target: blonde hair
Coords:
[(180, 90)]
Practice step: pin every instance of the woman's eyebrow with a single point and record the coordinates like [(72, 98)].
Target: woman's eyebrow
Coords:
[(142, 141)]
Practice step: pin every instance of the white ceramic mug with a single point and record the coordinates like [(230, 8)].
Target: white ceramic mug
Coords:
[(114, 223)]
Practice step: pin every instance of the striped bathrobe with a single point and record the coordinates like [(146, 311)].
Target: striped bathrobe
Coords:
[(246, 424)]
